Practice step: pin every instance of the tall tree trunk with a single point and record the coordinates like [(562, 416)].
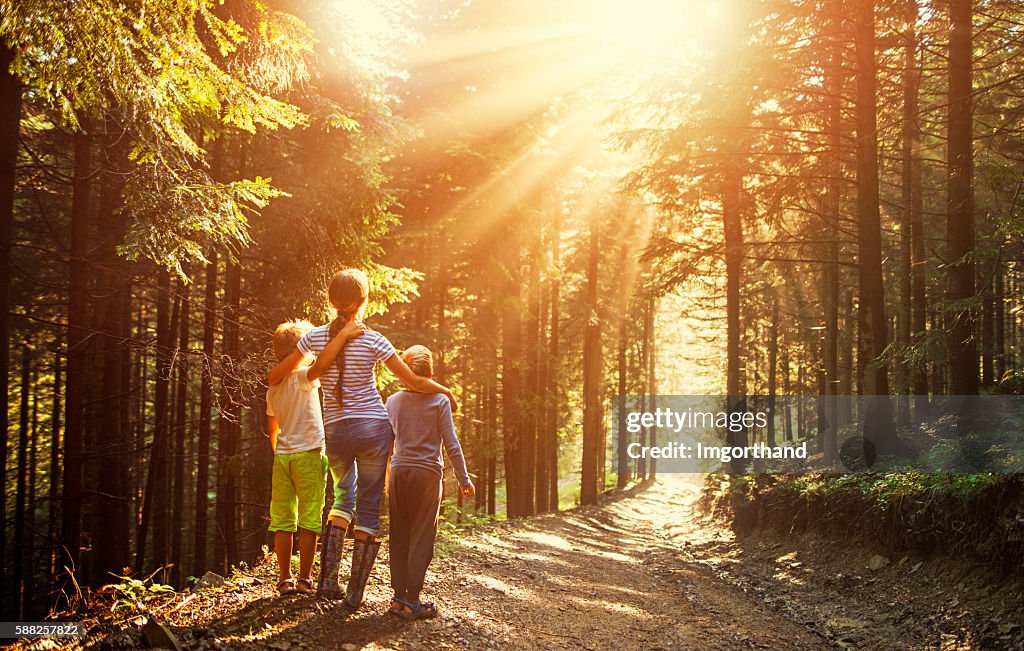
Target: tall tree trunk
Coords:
[(641, 364), (492, 426), (154, 505), (112, 521), (652, 377), (905, 328), (988, 369), (591, 378), (878, 421), (78, 342), (620, 408), (912, 176), (10, 122), (963, 359), (541, 481), (35, 593), (519, 501), (531, 391), (228, 428), (733, 225), (202, 510), (773, 361), (180, 430), (22, 556), (999, 308), (55, 465), (832, 230), (109, 525), (554, 365)]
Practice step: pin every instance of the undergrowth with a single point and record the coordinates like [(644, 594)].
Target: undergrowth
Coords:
[(978, 514)]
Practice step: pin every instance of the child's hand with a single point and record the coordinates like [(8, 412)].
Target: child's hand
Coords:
[(469, 490), (352, 330)]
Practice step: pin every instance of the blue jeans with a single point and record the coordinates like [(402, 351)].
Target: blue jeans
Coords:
[(357, 451)]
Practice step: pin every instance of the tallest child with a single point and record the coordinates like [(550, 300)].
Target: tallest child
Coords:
[(358, 434)]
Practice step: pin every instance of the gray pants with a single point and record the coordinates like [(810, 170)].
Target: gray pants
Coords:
[(415, 501)]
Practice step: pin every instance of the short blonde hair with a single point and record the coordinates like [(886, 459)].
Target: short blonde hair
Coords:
[(287, 335), (420, 360)]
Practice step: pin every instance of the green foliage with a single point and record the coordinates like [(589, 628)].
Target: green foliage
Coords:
[(171, 75), (174, 218), (132, 594)]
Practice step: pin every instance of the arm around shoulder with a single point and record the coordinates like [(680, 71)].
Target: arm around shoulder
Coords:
[(284, 367)]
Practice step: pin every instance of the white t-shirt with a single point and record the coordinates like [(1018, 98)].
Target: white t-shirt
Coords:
[(358, 388), (295, 403)]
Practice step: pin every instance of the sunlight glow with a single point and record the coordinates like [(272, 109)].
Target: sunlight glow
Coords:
[(646, 32)]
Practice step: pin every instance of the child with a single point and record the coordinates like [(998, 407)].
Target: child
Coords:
[(297, 437), (358, 434), (422, 422)]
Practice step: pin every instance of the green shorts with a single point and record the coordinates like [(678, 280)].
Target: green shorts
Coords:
[(297, 493)]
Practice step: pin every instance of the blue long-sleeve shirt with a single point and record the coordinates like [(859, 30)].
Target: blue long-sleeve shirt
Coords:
[(423, 423)]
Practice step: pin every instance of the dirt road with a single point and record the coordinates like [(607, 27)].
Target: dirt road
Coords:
[(640, 572)]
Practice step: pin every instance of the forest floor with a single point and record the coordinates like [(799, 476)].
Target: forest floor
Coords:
[(642, 571)]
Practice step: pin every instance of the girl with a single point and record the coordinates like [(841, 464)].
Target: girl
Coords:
[(358, 435)]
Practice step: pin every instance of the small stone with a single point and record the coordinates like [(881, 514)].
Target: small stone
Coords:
[(877, 562), (348, 646), (210, 580), (158, 636)]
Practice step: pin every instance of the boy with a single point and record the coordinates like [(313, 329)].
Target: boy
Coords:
[(421, 422), (296, 428)]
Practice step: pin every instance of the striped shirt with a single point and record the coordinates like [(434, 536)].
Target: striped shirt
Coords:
[(359, 391)]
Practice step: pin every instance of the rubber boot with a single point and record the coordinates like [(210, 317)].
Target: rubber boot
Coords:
[(364, 555), (331, 551)]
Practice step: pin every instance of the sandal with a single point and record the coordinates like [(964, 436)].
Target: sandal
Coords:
[(286, 587), (304, 586), (420, 609)]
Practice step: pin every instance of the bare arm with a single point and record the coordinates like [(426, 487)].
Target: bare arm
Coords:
[(285, 367), (330, 352), (417, 382), (274, 430)]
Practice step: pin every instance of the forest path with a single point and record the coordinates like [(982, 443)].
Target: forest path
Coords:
[(605, 577), (641, 571)]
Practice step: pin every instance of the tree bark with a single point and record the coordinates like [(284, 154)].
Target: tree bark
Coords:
[(109, 526), (514, 424), (180, 431), (78, 343), (878, 420), (773, 360), (623, 435), (228, 428), (22, 556), (732, 219), (55, 465), (999, 316), (554, 366), (202, 510), (907, 188), (652, 377), (10, 124), (912, 176), (963, 360), (154, 505), (541, 481), (591, 378)]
